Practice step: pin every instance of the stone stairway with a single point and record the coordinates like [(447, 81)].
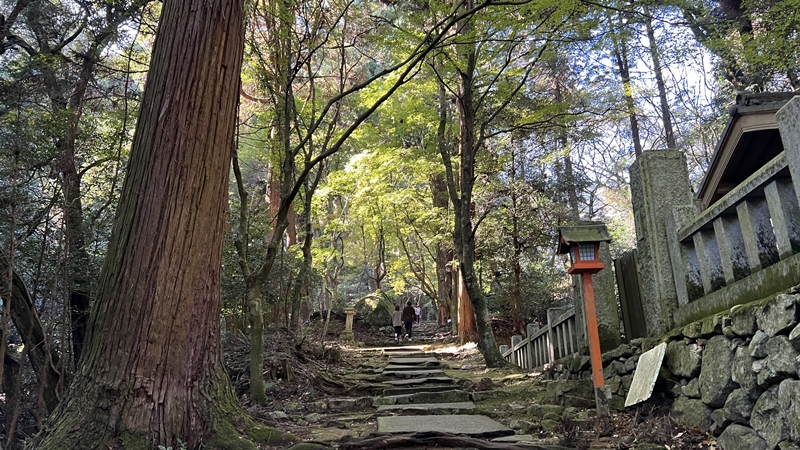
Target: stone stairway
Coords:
[(413, 402), (420, 398)]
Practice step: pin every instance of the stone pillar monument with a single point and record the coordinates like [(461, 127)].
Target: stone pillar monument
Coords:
[(788, 118), (347, 334), (659, 184)]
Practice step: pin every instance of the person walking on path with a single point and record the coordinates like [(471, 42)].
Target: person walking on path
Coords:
[(418, 313), (397, 322), (409, 315)]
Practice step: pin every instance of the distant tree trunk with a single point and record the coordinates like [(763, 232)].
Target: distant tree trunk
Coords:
[(567, 178), (43, 358), (379, 272), (620, 52), (303, 284), (152, 371), (518, 242), (241, 240), (258, 393), (441, 199), (662, 90)]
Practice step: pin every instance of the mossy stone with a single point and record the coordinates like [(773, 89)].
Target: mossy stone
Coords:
[(134, 442), (226, 437), (550, 425), (309, 446), (551, 416), (271, 436)]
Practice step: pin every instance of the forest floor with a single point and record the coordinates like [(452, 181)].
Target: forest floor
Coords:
[(323, 394)]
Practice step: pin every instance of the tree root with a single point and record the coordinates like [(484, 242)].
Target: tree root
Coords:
[(436, 439)]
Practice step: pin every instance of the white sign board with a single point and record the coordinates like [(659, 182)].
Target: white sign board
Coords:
[(644, 379)]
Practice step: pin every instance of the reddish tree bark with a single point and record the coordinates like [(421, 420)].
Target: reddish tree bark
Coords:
[(467, 329), (152, 369)]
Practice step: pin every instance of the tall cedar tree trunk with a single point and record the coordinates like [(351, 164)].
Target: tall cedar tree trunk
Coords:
[(444, 271), (439, 192), (662, 90), (620, 50), (469, 146), (467, 328), (517, 173), (568, 181), (461, 311), (152, 369)]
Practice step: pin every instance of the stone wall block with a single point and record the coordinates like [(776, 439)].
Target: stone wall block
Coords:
[(780, 362), (768, 419), (720, 422), (738, 407), (614, 369), (738, 437), (692, 388), (743, 374), (576, 363), (794, 338), (692, 413), (630, 364), (779, 315), (715, 372), (623, 351), (743, 321), (692, 330), (614, 383), (789, 399), (684, 360), (786, 445), (627, 380), (559, 391), (712, 326), (758, 345)]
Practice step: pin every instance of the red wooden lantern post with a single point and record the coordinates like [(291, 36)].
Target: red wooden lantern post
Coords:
[(583, 245)]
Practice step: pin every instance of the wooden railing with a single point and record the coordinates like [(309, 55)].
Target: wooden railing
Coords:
[(559, 338)]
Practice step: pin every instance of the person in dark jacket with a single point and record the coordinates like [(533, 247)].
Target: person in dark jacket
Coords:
[(409, 315)]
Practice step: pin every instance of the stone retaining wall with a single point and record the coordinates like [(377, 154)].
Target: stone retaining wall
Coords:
[(735, 375)]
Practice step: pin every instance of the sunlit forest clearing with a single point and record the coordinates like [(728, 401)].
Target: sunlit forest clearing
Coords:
[(195, 193)]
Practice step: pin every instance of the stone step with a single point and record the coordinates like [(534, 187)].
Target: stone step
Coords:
[(431, 365), (419, 381), (426, 397), (417, 389), (411, 361), (427, 408), (461, 424), (409, 351), (412, 373)]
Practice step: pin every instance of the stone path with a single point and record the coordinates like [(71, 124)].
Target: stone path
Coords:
[(414, 411), (419, 398), (415, 403)]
